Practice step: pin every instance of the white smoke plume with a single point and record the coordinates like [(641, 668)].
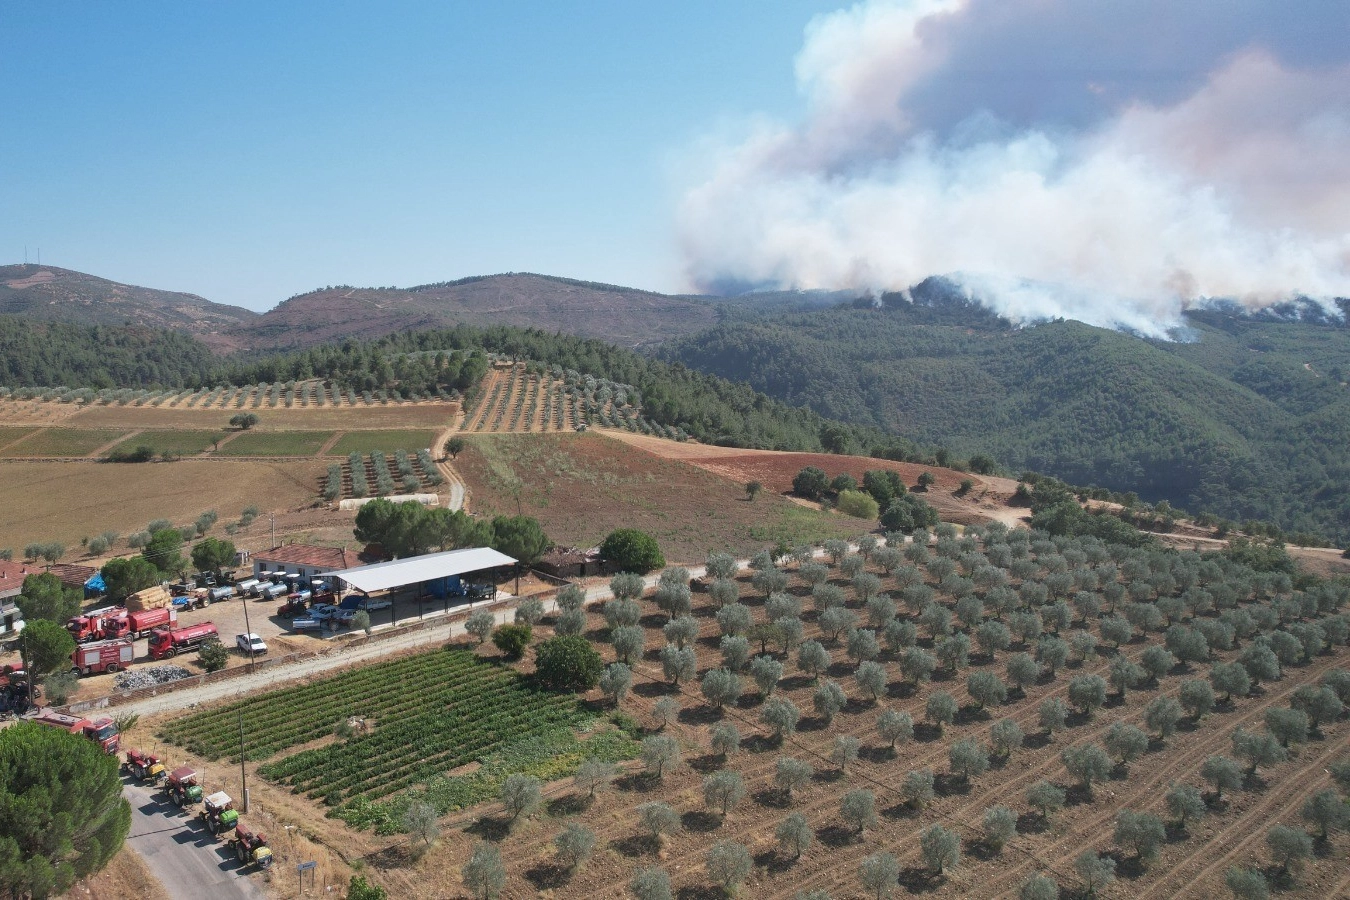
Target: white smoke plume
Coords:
[(1112, 163)]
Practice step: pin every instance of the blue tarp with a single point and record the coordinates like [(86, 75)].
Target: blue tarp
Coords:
[(95, 584)]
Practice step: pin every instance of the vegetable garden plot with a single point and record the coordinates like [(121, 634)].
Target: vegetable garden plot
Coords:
[(434, 711)]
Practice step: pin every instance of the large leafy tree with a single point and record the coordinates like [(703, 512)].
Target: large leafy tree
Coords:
[(631, 550), (62, 807), (45, 597), (162, 551), (127, 575), (519, 536), (212, 555), (46, 648)]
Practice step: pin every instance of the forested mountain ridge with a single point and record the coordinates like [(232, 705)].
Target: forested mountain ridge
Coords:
[(624, 316), (51, 294), (1250, 418)]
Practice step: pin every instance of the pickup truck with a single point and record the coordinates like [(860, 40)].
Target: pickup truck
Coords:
[(250, 644)]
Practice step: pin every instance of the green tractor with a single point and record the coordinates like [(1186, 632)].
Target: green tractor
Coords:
[(184, 786), (218, 812)]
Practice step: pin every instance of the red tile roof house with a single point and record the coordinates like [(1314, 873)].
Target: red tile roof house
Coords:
[(12, 575), (304, 560)]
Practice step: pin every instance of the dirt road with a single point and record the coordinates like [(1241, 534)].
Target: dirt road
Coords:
[(187, 859)]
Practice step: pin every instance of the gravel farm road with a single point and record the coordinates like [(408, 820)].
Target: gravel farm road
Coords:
[(188, 860)]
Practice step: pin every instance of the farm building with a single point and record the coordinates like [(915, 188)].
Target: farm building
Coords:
[(73, 576), (569, 562), (303, 560), (438, 574), (11, 583)]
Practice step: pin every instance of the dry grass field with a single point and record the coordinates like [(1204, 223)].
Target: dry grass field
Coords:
[(582, 486), (426, 414), (65, 501)]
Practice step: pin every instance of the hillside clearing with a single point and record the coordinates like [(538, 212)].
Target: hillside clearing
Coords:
[(582, 486), (388, 441)]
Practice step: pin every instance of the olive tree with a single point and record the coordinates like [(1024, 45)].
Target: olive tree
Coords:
[(828, 700), (1046, 798), (728, 864), (1289, 847), (658, 819), (1184, 802), (794, 835), (651, 883), (1141, 832), (1087, 763), (858, 810), (880, 875), (917, 788), (1223, 773), (484, 875), (1096, 871), (895, 728), (520, 796), (615, 681), (941, 848), (574, 845), (723, 790), (1000, 826), (660, 753), (791, 775), (781, 716)]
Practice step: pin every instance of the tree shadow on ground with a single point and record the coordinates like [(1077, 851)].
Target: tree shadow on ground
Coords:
[(640, 782), (636, 845), (771, 798), (900, 810), (568, 805), (981, 849), (917, 880), (1036, 740), (968, 715), (947, 785), (548, 876), (491, 828), (702, 714), (836, 836), (708, 762), (650, 689), (700, 821), (1032, 823), (926, 732), (700, 892), (773, 862)]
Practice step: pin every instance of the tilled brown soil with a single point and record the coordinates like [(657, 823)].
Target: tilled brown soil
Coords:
[(1191, 864)]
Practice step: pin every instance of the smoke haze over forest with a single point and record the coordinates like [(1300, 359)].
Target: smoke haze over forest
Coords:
[(1114, 163)]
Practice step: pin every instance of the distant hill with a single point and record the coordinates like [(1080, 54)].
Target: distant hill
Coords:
[(1251, 418), (624, 316), (48, 293)]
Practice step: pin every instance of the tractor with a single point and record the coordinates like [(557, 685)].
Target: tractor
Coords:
[(183, 786), (218, 812), (251, 848), (145, 766)]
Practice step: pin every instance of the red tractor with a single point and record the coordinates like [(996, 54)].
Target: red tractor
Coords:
[(145, 766), (183, 786), (250, 847)]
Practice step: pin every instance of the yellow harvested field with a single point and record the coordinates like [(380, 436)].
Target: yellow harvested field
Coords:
[(65, 501), (423, 415)]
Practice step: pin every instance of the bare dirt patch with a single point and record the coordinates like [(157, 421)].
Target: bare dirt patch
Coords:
[(126, 875)]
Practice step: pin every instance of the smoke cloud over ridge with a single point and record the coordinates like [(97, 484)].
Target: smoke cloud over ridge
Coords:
[(1113, 163)]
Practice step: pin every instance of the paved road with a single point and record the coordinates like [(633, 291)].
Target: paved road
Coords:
[(188, 860)]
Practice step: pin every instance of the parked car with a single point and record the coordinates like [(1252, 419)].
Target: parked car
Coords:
[(250, 644)]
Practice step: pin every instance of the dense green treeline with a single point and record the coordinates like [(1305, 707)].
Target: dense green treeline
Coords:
[(47, 354), (711, 409), (1249, 419)]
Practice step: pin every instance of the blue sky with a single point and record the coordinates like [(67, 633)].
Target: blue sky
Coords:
[(246, 151)]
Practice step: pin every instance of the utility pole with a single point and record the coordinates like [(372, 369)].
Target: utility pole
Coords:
[(249, 637), (274, 530), (243, 776)]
